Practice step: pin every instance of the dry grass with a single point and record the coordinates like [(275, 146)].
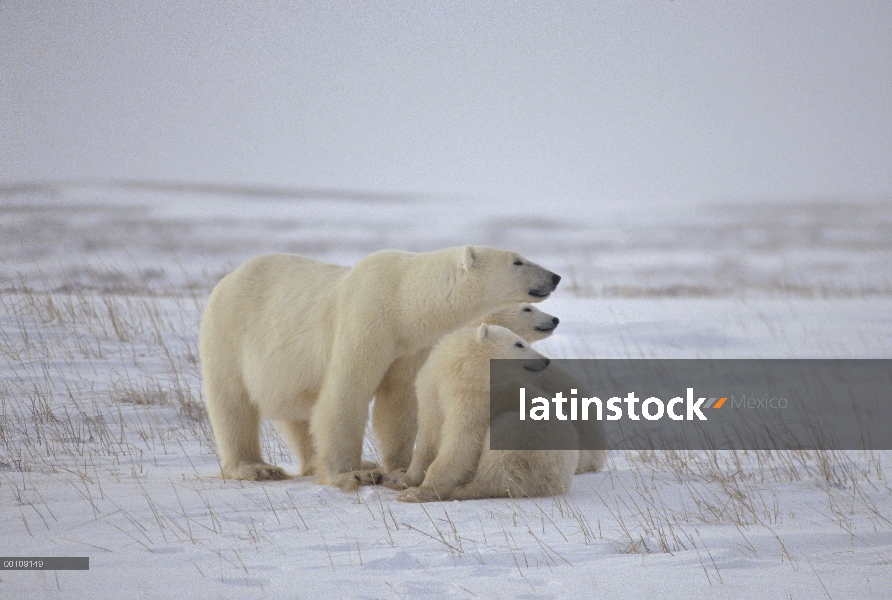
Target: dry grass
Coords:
[(101, 387)]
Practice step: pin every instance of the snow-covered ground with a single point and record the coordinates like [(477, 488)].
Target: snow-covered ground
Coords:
[(106, 451)]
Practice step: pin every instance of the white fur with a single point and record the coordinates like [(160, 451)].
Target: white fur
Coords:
[(533, 325), (452, 459), (308, 344), (525, 320), (524, 472), (554, 379)]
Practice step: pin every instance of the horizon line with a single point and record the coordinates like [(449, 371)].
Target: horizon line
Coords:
[(199, 187)]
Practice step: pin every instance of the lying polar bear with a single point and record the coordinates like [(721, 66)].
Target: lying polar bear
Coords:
[(533, 325), (452, 459)]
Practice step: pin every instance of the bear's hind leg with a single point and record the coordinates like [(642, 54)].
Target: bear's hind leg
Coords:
[(591, 435), (236, 425), (591, 461), (298, 435)]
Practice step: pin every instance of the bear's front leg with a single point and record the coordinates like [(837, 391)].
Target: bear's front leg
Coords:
[(457, 457), (424, 455), (340, 415), (395, 412)]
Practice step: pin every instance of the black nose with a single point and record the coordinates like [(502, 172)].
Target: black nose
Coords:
[(555, 279), (555, 320), (547, 361)]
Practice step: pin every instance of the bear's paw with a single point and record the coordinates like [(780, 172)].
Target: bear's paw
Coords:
[(255, 472), (419, 494), (352, 480)]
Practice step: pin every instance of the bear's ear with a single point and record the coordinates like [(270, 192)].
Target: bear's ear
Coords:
[(468, 258), (482, 332)]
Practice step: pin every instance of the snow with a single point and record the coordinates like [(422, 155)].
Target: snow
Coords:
[(106, 451)]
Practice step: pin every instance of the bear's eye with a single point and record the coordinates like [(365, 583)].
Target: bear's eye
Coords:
[(518, 262), (519, 345), (528, 309)]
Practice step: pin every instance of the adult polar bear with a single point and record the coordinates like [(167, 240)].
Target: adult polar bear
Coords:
[(308, 344)]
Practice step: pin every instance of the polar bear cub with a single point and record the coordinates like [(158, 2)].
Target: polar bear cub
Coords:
[(591, 432), (525, 471), (525, 320), (309, 344), (533, 325), (452, 459)]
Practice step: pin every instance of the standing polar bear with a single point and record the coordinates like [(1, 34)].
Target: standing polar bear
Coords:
[(452, 459), (308, 344)]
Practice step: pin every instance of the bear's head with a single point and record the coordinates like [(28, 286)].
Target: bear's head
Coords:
[(525, 320), (513, 276), (502, 343)]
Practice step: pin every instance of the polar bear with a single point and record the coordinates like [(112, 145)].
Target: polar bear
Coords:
[(452, 459), (533, 325), (591, 432), (525, 471), (308, 344), (525, 320)]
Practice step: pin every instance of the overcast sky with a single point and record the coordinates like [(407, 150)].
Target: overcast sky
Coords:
[(603, 100)]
